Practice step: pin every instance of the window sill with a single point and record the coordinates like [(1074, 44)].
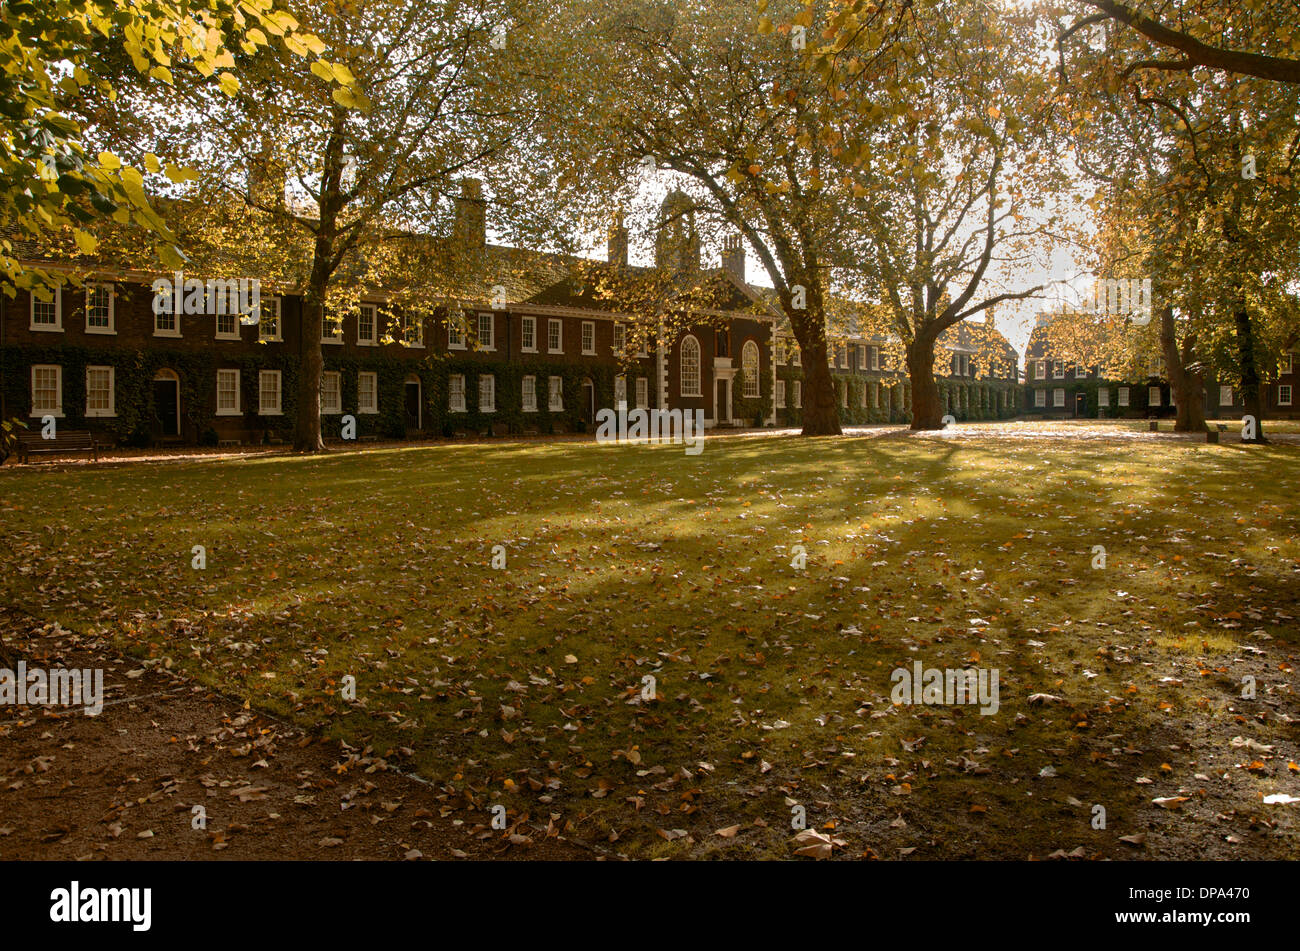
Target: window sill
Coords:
[(486, 349), (106, 331), (555, 409), (56, 413), (167, 333), (589, 353), (41, 328), (101, 415), (332, 341), (455, 410), (527, 349), (455, 346), (367, 343), (227, 337), (529, 409), (270, 412), (230, 412), (270, 340)]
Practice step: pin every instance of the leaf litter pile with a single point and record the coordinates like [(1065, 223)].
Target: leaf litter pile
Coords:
[(649, 674)]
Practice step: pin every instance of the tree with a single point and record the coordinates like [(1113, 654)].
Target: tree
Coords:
[(952, 179), (338, 162), (55, 57)]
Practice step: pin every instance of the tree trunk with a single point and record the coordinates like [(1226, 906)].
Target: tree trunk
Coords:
[(306, 433), (1251, 395), (821, 414), (927, 412), (1187, 385)]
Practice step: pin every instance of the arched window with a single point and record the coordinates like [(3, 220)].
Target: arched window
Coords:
[(691, 367), (749, 362)]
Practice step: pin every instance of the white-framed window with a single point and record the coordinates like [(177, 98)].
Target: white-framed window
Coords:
[(778, 351), (780, 394), (690, 367), (642, 346), (485, 328), (412, 329), (798, 394), (642, 393), (331, 329), (1284, 394), (367, 325), (268, 393), (1153, 396), (1058, 398), (367, 392), (862, 356), (48, 314), (101, 400), (749, 361), (47, 390), (1080, 372), (1040, 369), (620, 336), (1123, 396), (796, 355), (1058, 370), (529, 394), (456, 393), (528, 330), (554, 336), (1040, 398), (875, 395), (270, 326), (555, 394), (1288, 364), (228, 393), (1103, 397), (166, 322), (331, 393), (844, 395), (875, 358), (227, 326), (864, 395), (487, 393), (456, 332), (588, 337), (620, 391), (1225, 396), (99, 309)]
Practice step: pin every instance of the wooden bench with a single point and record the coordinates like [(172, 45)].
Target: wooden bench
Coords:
[(226, 443), (68, 441)]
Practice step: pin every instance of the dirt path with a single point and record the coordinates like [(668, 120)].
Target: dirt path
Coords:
[(124, 784)]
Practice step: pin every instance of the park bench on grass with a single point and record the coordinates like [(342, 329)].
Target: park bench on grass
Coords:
[(68, 441)]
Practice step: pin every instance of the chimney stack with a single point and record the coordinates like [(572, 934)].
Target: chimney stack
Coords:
[(733, 256), (471, 215), (618, 242)]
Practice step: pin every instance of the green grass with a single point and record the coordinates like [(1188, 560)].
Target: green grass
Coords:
[(522, 686)]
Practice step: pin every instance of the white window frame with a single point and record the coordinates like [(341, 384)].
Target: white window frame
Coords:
[(527, 330), (237, 409), (218, 333), (1040, 369), (1123, 396), (167, 312), (1284, 394), (589, 338), (1040, 399), (748, 355), (486, 341), (336, 338), (335, 408), (796, 355), (373, 339), (456, 393), (780, 394), (1058, 370), (262, 391), (57, 410), (1103, 397), (1153, 396), (554, 335), (620, 337), (844, 395), (875, 359), (407, 322), (798, 394), (277, 322), (687, 386), (1080, 372), (112, 323), (528, 394), (372, 406), (456, 332), (1287, 364), (1225, 390), (100, 413), (642, 392), (57, 326), (555, 394), (1058, 398), (620, 390), (487, 393)]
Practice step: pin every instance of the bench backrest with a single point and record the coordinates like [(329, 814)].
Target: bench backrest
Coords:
[(67, 440)]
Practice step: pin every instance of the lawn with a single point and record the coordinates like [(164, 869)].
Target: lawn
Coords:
[(526, 685)]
